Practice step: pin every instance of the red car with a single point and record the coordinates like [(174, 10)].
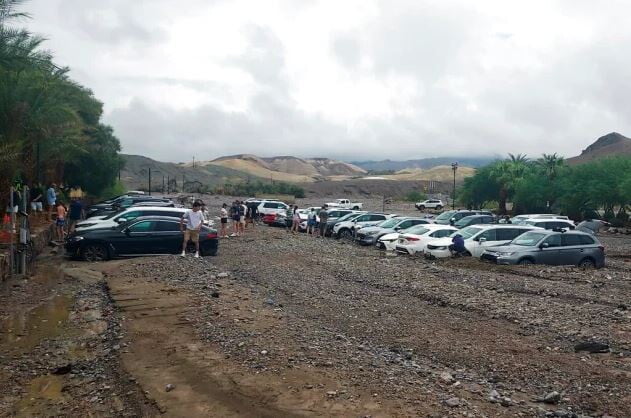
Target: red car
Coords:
[(274, 220)]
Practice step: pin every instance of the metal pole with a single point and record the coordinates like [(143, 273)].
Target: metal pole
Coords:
[(454, 167), (168, 181), (163, 184), (149, 180), (12, 229)]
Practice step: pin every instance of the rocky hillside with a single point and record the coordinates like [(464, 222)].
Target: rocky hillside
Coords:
[(606, 146), (287, 168), (424, 163)]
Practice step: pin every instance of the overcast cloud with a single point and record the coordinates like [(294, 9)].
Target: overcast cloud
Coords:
[(364, 79)]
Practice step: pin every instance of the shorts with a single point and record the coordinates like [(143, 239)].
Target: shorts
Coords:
[(192, 235), (242, 219), (37, 206), (311, 222), (60, 222), (224, 220), (235, 218), (12, 210)]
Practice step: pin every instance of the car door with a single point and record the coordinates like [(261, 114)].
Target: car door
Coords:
[(483, 240), (571, 250), (137, 239), (169, 237), (549, 251)]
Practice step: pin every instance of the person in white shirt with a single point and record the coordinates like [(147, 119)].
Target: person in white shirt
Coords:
[(194, 220), (223, 215)]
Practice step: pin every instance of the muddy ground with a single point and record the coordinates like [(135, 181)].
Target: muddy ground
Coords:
[(289, 325)]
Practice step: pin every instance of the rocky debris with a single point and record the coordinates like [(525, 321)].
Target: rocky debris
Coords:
[(453, 402), (550, 397), (169, 387)]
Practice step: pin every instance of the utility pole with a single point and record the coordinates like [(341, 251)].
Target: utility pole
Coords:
[(168, 181), (162, 184), (454, 167), (193, 161), (149, 181)]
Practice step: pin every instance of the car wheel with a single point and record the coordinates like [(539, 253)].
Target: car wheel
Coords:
[(587, 263), (356, 208), (421, 207), (209, 252), (525, 262), (94, 252), (439, 207), (346, 234)]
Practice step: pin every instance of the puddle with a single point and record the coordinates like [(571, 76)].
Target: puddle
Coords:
[(42, 391), (23, 331)]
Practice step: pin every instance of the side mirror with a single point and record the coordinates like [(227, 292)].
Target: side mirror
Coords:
[(398, 228), (544, 245), (482, 240), (121, 220)]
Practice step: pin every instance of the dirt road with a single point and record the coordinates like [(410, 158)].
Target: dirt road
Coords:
[(282, 325)]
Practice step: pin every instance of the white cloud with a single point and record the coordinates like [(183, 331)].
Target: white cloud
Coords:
[(352, 79)]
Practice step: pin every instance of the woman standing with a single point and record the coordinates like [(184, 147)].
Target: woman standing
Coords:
[(295, 220), (311, 222), (60, 222), (223, 216)]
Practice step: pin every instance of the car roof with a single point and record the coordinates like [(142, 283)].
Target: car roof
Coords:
[(158, 208), (436, 226), (502, 226), (478, 215)]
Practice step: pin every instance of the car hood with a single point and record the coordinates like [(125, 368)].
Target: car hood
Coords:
[(509, 248), (369, 229), (389, 237)]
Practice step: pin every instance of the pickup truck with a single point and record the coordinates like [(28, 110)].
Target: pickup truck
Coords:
[(345, 204)]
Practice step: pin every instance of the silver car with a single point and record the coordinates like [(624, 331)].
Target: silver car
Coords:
[(551, 247), (370, 234)]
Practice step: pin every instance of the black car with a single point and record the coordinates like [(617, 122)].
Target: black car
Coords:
[(143, 236), (123, 202), (474, 220)]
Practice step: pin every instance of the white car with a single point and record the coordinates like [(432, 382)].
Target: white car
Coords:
[(347, 229), (127, 215), (416, 238), (345, 204), (430, 204), (520, 219), (477, 238), (268, 207), (550, 223)]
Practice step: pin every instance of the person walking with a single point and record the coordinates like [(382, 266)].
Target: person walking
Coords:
[(75, 213), (60, 222), (194, 220), (324, 217), (37, 203), (295, 220), (223, 216), (51, 198)]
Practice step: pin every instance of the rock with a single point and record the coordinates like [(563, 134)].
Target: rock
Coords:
[(215, 294), (552, 397), (62, 369), (592, 347), (447, 377), (506, 401), (223, 275), (264, 352), (452, 402), (331, 393), (169, 387)]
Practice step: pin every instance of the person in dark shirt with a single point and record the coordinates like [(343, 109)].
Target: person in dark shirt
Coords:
[(457, 245), (37, 200), (74, 214)]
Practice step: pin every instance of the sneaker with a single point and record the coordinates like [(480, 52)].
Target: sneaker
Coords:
[(183, 254), (196, 255)]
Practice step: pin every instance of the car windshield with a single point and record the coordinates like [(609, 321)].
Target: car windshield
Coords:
[(349, 217), (464, 221), (528, 239), (111, 215), (417, 230), (467, 233), (389, 223), (445, 215)]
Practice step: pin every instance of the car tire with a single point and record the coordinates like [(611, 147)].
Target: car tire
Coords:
[(421, 207), (439, 207), (94, 252), (525, 262), (209, 252), (346, 234), (587, 263), (355, 207)]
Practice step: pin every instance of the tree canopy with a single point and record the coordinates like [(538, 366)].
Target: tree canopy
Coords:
[(50, 129)]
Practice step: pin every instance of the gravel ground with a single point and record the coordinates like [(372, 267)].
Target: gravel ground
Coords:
[(449, 337)]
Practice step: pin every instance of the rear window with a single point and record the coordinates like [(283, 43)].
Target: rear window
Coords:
[(586, 240), (377, 217), (568, 240)]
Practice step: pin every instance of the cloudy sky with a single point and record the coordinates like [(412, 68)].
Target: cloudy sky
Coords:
[(365, 79)]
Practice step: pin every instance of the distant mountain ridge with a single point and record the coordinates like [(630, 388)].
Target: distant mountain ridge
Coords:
[(424, 163), (608, 145)]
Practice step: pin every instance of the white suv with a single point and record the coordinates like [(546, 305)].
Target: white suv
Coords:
[(268, 207), (347, 229), (127, 215), (430, 204)]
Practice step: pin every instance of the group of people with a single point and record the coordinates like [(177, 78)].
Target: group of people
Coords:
[(316, 221), (241, 215)]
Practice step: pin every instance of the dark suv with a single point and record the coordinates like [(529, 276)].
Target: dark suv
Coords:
[(450, 217), (552, 247)]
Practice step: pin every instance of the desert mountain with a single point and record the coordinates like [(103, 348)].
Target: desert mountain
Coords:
[(606, 146), (287, 168), (424, 163)]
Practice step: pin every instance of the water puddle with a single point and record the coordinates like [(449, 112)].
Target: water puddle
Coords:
[(23, 331), (43, 392)]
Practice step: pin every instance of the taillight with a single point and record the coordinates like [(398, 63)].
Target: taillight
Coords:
[(211, 235), (411, 238)]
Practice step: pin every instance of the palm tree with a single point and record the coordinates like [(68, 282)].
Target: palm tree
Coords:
[(550, 164)]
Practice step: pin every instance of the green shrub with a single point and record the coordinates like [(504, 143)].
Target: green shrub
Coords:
[(415, 196)]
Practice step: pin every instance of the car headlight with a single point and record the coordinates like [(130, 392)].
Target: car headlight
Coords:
[(75, 238), (440, 248), (504, 254)]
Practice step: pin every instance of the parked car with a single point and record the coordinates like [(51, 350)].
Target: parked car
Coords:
[(478, 238), (150, 235), (430, 204), (522, 218), (269, 207), (275, 219), (330, 224), (450, 217), (414, 240), (550, 223), (345, 204), (347, 229), (127, 215), (550, 247), (474, 220), (123, 202), (370, 234)]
